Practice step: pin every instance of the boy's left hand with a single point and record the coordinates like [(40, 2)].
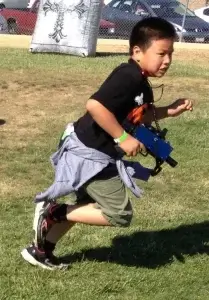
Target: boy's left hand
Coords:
[(179, 106)]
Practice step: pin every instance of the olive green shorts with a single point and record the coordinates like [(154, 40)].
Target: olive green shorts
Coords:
[(109, 194)]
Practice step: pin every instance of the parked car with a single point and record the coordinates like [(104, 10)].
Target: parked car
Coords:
[(203, 13), (106, 29), (126, 13), (3, 25), (23, 21), (13, 3)]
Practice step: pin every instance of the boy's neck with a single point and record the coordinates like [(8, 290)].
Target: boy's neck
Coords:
[(144, 73)]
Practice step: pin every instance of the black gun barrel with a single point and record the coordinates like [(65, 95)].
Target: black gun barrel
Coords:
[(172, 162)]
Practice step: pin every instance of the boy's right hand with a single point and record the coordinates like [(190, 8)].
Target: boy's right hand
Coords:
[(132, 146)]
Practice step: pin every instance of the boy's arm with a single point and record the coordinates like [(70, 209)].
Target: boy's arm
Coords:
[(173, 110), (107, 121), (104, 118), (160, 113)]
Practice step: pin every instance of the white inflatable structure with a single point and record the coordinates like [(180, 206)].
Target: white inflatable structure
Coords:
[(67, 26)]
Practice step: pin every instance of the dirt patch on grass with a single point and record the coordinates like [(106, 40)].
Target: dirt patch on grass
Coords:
[(192, 55), (29, 108)]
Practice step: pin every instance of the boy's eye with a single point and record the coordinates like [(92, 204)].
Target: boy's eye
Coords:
[(161, 54)]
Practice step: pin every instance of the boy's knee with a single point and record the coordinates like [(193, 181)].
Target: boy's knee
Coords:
[(111, 197), (121, 218)]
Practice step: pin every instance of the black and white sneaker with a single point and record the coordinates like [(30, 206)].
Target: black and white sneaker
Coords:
[(42, 259), (39, 209), (43, 224)]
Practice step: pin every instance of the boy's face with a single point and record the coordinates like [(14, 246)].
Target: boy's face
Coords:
[(156, 59)]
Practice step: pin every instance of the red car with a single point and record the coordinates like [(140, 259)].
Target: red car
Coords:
[(23, 21)]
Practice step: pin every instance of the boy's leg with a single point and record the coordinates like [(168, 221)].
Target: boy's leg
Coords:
[(111, 199), (112, 207), (86, 214), (59, 229), (43, 255)]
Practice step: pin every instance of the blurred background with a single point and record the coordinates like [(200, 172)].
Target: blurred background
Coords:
[(190, 18)]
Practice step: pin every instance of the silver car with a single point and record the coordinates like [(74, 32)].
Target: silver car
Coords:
[(14, 3)]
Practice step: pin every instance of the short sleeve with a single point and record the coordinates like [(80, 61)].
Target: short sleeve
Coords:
[(118, 90)]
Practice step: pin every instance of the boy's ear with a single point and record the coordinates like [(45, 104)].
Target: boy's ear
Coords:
[(137, 53)]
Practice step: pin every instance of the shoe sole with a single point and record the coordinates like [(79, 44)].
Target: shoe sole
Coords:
[(31, 260)]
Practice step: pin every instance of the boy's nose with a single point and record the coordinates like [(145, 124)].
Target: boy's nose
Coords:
[(167, 59)]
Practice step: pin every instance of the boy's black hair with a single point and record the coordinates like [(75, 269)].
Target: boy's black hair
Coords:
[(149, 29)]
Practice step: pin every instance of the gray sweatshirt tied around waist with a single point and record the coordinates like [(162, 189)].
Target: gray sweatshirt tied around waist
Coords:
[(75, 164)]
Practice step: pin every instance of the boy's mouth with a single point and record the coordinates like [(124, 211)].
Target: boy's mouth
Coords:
[(163, 69)]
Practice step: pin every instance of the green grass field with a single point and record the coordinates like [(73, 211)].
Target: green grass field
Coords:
[(164, 254)]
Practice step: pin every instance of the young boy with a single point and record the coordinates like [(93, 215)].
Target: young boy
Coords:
[(87, 160)]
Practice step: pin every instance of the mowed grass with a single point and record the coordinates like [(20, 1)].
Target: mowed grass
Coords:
[(164, 254)]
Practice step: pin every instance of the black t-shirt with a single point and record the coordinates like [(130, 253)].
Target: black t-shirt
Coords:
[(125, 89)]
